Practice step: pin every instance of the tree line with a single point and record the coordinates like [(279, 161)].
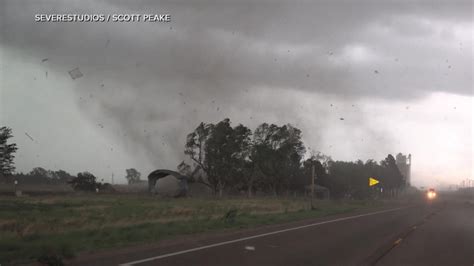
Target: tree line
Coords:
[(271, 160)]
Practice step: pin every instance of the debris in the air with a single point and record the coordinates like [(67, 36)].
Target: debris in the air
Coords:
[(75, 73), (100, 125), (376, 71), (449, 66), (252, 248), (330, 53), (44, 60), (307, 75), (171, 28), (217, 108), (102, 85), (107, 43), (29, 136), (331, 104), (46, 74), (342, 118)]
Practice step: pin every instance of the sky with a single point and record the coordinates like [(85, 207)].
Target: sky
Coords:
[(399, 73)]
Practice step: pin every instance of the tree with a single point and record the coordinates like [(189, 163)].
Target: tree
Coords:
[(195, 148), (392, 177), (63, 176), (133, 176), (277, 152), (85, 181), (7, 166), (221, 152)]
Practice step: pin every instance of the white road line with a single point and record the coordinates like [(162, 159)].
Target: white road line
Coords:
[(255, 236)]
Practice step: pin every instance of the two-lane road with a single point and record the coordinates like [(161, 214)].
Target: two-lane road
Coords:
[(421, 234)]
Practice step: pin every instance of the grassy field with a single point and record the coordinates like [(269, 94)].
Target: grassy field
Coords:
[(65, 225)]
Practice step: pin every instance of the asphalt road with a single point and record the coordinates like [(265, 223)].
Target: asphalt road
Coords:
[(441, 233)]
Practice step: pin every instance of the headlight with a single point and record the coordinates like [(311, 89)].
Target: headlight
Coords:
[(431, 195)]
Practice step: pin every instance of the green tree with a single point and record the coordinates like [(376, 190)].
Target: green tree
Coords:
[(277, 152), (392, 177), (7, 166), (195, 148), (221, 151), (133, 176), (85, 181)]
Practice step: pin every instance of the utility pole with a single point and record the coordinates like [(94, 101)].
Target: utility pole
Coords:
[(312, 184), (312, 181)]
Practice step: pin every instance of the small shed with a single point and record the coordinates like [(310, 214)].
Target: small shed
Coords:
[(167, 183)]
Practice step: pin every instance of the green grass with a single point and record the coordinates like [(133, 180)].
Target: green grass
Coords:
[(66, 225)]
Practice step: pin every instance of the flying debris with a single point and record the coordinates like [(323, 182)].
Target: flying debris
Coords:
[(75, 73), (46, 74), (100, 125), (107, 43), (376, 71), (44, 60), (342, 118), (29, 136)]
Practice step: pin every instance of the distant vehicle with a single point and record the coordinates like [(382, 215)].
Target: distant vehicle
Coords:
[(431, 194)]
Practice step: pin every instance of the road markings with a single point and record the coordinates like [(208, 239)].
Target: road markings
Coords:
[(252, 248), (257, 236)]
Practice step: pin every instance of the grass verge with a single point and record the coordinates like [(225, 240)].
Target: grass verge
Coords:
[(32, 228)]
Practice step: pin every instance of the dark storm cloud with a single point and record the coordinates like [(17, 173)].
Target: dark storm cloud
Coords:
[(228, 46), (160, 79)]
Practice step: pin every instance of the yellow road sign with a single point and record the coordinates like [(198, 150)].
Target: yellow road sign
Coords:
[(373, 181)]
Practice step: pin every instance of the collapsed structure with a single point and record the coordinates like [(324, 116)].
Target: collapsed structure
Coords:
[(167, 183)]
